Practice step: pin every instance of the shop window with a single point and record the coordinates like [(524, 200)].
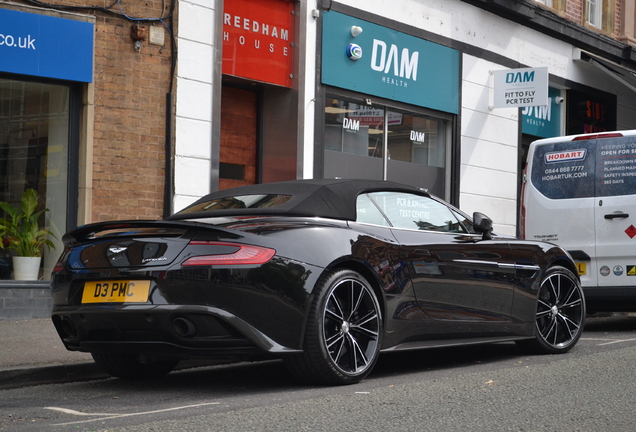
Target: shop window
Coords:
[(34, 154), (416, 138), (374, 141), (354, 128)]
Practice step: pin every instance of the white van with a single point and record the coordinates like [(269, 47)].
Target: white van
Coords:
[(580, 192)]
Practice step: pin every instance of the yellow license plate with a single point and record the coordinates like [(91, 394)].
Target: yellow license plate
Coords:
[(116, 292), (582, 268)]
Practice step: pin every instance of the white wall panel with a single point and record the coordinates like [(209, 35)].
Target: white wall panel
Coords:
[(502, 212), (489, 183), (195, 61), (489, 155), (197, 21), (489, 152), (308, 98), (181, 202), (476, 124), (194, 100), (193, 112), (193, 175), (194, 137)]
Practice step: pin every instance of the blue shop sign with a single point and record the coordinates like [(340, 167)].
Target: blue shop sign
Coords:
[(44, 46), (387, 63), (544, 121)]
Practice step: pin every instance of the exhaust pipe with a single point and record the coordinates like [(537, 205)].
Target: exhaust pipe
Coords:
[(184, 327), (65, 327)]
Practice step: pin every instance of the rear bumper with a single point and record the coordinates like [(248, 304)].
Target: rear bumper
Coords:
[(180, 331), (610, 299)]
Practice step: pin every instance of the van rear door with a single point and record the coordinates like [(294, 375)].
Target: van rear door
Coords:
[(559, 204), (615, 210)]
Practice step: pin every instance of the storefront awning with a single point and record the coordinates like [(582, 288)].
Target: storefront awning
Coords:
[(624, 75)]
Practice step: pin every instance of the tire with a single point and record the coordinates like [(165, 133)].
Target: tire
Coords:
[(560, 315), (343, 334), (132, 366)]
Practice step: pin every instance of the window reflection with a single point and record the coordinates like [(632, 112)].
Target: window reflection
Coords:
[(359, 129), (353, 128), (416, 212), (367, 212), (417, 138), (363, 139)]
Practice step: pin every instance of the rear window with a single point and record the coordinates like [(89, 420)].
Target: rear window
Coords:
[(585, 168), (238, 202)]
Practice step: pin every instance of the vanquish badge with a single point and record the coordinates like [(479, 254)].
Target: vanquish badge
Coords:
[(565, 156)]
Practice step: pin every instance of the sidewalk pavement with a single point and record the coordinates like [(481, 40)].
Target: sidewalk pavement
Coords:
[(31, 353)]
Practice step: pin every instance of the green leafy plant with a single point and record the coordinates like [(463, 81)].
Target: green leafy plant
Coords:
[(20, 232)]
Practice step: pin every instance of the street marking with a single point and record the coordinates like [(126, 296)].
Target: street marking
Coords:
[(611, 341), (78, 413), (114, 416), (618, 341)]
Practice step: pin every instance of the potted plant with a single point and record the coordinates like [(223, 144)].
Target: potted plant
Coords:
[(21, 233)]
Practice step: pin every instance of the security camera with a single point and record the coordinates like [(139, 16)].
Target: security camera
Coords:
[(558, 100)]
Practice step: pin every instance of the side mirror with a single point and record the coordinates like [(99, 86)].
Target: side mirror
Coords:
[(483, 224)]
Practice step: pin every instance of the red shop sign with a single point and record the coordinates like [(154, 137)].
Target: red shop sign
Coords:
[(257, 40)]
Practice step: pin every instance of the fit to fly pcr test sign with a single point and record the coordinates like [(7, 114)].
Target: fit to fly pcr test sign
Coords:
[(520, 87)]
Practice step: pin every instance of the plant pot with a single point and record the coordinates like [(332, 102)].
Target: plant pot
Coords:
[(26, 268)]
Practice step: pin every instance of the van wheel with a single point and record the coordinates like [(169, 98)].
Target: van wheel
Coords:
[(560, 315)]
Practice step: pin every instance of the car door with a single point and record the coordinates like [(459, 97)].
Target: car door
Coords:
[(460, 281)]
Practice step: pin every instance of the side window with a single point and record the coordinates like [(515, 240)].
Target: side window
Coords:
[(367, 212), (467, 223), (585, 168), (565, 170), (416, 212)]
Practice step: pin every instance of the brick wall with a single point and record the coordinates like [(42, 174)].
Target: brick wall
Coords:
[(574, 10), (130, 112)]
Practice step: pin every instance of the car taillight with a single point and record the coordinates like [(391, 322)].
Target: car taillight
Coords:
[(244, 255)]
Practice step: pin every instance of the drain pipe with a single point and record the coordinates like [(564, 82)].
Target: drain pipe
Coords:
[(168, 188)]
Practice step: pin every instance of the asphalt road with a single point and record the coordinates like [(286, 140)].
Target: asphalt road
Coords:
[(486, 388)]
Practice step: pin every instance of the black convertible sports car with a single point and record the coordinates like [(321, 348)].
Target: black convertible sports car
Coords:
[(325, 274)]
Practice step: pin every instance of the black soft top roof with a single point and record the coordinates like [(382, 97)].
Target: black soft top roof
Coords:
[(329, 198)]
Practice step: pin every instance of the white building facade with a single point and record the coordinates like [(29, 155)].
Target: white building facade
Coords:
[(408, 98)]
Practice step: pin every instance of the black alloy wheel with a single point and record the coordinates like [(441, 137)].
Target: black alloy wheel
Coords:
[(560, 313), (344, 331)]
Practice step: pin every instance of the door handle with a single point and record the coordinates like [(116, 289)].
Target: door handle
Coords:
[(616, 215)]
